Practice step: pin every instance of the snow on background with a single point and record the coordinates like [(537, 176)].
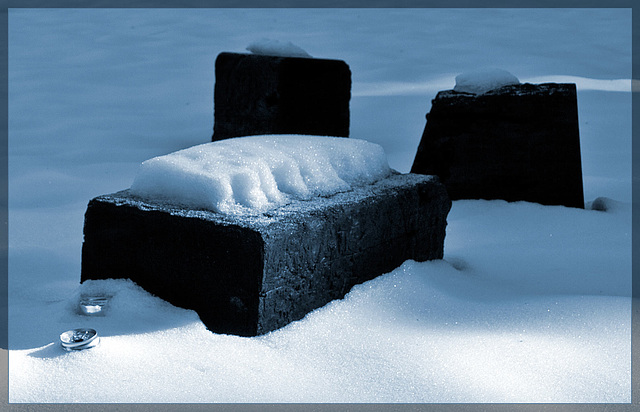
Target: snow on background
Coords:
[(530, 304)]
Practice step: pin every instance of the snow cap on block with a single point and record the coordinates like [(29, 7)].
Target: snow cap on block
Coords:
[(483, 80), (257, 173), (270, 47)]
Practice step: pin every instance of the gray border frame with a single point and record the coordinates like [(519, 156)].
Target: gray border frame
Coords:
[(4, 357)]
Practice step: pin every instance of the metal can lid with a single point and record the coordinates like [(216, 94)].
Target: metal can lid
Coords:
[(89, 345), (93, 305), (78, 338)]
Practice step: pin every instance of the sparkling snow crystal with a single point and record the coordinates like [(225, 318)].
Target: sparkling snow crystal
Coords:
[(258, 173), (484, 80), (276, 48)]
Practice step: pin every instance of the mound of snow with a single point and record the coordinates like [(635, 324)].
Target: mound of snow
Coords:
[(257, 173), (484, 80), (270, 47), (531, 304)]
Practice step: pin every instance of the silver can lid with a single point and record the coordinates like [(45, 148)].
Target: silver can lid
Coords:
[(93, 305), (78, 339)]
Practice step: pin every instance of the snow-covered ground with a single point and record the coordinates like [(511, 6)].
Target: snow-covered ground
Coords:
[(530, 304)]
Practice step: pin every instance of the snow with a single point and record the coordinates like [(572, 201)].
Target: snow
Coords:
[(271, 47), (484, 80), (258, 173), (531, 303), (583, 84), (522, 323)]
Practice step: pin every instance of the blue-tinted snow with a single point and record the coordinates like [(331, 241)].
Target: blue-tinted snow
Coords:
[(530, 304), (271, 47), (480, 81)]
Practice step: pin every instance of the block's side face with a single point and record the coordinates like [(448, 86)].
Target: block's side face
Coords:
[(256, 95), (314, 95), (320, 258), (506, 146), (192, 263), (245, 95)]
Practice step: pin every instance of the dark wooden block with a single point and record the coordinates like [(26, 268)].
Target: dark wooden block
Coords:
[(519, 142), (251, 275), (256, 94)]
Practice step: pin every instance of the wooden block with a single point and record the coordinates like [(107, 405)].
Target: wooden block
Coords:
[(250, 275), (518, 142), (256, 94)]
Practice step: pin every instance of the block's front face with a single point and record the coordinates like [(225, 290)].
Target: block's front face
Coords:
[(257, 95), (254, 274), (517, 143), (192, 263), (314, 97)]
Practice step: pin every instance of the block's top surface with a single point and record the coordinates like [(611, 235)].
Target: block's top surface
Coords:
[(513, 90), (258, 58), (286, 213), (524, 100)]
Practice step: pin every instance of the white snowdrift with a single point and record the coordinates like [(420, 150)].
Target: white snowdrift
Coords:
[(530, 304), (257, 173), (270, 47), (484, 80)]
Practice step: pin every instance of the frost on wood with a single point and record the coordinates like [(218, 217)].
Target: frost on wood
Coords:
[(248, 275), (258, 94), (257, 173), (518, 142)]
